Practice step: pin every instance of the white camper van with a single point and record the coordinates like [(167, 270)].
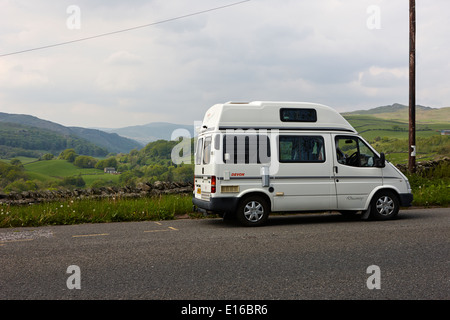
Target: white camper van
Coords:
[(255, 158)]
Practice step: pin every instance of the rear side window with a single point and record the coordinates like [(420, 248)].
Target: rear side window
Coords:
[(301, 149), (298, 115), (246, 148)]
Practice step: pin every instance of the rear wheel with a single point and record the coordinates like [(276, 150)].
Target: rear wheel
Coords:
[(253, 211), (384, 206)]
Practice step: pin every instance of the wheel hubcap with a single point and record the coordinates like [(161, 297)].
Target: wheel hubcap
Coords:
[(253, 211), (385, 206)]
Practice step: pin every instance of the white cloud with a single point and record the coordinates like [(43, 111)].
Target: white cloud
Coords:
[(124, 58), (320, 51), (377, 77), (18, 76)]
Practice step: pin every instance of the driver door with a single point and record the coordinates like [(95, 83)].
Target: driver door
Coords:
[(355, 174)]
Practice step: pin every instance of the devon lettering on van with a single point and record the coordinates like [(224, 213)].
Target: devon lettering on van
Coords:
[(298, 157)]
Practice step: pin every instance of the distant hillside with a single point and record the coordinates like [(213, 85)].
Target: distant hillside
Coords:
[(386, 109), (151, 132), (393, 121), (21, 140), (109, 141), (399, 112)]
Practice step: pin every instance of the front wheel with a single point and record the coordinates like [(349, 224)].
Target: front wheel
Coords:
[(253, 211), (384, 206)]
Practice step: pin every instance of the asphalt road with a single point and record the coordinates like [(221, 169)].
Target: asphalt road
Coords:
[(320, 256)]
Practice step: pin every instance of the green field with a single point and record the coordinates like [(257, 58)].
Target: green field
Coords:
[(423, 115), (402, 157), (53, 170), (371, 127), (58, 168)]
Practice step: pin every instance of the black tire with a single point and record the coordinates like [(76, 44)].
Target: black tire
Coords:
[(229, 216), (253, 211), (384, 206)]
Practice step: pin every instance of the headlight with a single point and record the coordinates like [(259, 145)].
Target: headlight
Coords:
[(408, 185)]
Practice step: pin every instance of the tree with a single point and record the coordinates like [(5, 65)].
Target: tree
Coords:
[(168, 175), (110, 162), (9, 173), (85, 162), (21, 185), (77, 181), (127, 179), (47, 156), (16, 163), (68, 154), (184, 173)]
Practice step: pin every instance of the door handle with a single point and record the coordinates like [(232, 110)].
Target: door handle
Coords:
[(335, 169)]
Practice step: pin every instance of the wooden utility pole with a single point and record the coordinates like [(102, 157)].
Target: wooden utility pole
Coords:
[(412, 86)]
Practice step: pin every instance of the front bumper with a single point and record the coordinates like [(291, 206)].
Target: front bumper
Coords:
[(405, 199)]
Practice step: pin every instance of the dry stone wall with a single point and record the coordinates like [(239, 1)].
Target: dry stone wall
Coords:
[(424, 166), (141, 190)]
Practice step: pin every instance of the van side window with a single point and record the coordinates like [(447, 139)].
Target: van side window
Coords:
[(207, 151), (352, 151), (301, 149), (298, 115), (198, 151), (246, 148)]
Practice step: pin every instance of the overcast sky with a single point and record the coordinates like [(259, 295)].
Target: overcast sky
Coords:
[(348, 54)]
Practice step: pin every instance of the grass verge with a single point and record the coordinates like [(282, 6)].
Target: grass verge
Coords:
[(165, 207), (431, 187), (430, 192)]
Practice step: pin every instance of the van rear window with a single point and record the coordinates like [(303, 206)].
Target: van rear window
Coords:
[(198, 151), (298, 115), (207, 150)]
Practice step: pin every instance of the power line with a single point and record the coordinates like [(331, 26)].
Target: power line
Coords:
[(124, 30)]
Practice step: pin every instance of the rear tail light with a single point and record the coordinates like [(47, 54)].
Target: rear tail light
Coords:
[(213, 184)]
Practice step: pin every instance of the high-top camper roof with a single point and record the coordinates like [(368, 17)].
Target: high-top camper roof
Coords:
[(274, 115)]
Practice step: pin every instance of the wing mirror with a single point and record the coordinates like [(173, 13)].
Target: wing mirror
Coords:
[(381, 161)]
